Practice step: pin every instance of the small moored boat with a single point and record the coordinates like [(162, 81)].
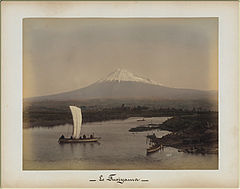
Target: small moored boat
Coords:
[(77, 124), (153, 148)]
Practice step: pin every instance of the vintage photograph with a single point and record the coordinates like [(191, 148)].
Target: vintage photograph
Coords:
[(120, 94)]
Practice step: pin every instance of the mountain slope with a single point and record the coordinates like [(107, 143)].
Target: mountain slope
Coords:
[(123, 84)]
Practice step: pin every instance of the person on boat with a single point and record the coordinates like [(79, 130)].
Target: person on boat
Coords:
[(80, 137), (154, 136), (84, 136), (62, 137), (91, 136), (71, 137)]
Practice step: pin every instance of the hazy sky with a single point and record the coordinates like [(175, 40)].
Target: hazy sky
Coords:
[(66, 54)]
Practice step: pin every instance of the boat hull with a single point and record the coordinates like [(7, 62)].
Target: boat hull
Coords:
[(151, 150), (69, 140)]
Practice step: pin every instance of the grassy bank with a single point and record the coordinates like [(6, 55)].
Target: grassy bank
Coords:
[(197, 133)]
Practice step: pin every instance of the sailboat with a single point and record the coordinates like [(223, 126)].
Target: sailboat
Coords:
[(76, 133)]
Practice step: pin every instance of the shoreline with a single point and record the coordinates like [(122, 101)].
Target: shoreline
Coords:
[(196, 133)]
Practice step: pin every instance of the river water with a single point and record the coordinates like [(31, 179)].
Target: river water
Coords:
[(118, 149)]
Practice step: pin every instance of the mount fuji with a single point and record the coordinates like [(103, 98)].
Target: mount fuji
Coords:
[(123, 84), (122, 75)]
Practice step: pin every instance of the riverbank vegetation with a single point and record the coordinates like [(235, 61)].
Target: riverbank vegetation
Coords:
[(52, 113), (196, 133)]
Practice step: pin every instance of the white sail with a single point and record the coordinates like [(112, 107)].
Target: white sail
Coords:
[(77, 121)]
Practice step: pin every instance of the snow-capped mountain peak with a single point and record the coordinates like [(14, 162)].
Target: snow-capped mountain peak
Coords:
[(122, 84), (124, 75)]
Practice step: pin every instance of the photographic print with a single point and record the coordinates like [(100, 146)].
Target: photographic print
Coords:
[(120, 93)]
